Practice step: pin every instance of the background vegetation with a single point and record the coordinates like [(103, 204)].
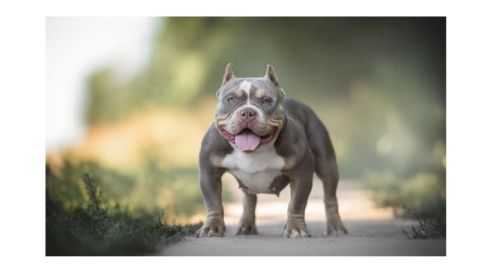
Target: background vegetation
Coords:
[(377, 83), (81, 220)]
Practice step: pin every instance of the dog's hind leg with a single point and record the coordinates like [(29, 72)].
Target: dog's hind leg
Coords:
[(328, 173), (326, 169)]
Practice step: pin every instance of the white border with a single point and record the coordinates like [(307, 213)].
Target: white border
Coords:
[(22, 63)]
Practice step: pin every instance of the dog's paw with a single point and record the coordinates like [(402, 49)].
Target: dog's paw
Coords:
[(213, 227), (335, 224), (247, 228), (296, 227)]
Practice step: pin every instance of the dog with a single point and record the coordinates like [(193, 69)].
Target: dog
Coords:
[(266, 141)]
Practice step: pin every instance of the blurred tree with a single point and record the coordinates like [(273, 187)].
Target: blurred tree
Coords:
[(377, 83)]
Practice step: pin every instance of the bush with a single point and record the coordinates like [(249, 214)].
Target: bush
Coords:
[(421, 197)]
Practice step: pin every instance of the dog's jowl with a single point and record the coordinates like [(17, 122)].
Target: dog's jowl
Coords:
[(266, 141)]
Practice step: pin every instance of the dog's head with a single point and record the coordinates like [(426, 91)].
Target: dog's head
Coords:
[(249, 110)]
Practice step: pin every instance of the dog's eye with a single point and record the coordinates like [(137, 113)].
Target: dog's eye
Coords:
[(267, 100), (231, 100)]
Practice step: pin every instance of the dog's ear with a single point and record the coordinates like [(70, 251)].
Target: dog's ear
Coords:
[(271, 75), (228, 74)]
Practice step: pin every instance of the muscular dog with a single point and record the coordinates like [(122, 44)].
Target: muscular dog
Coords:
[(266, 141)]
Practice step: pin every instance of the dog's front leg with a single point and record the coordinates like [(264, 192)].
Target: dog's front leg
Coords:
[(300, 190), (211, 186), (247, 222)]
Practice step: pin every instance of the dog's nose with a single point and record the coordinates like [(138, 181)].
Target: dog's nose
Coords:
[(248, 114)]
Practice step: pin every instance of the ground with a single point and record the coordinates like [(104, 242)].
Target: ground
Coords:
[(372, 231)]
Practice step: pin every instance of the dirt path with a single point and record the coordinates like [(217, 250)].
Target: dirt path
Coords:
[(372, 231)]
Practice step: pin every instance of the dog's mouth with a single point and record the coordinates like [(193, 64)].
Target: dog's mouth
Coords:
[(246, 140)]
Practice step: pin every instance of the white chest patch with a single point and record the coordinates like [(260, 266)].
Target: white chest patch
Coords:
[(255, 170)]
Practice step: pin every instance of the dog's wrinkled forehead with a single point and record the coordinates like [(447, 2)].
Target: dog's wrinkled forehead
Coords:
[(250, 87), (254, 90)]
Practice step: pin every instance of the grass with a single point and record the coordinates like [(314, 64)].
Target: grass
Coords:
[(427, 228), (93, 225)]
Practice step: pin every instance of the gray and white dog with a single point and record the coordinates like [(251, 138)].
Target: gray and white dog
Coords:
[(266, 141)]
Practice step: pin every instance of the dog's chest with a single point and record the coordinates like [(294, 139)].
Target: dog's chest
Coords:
[(255, 170)]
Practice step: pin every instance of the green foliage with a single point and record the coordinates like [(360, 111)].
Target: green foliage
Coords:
[(377, 83), (424, 193), (421, 197), (107, 92), (150, 186), (318, 60), (95, 225)]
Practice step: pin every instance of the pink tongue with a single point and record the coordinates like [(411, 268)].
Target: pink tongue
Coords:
[(247, 141)]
